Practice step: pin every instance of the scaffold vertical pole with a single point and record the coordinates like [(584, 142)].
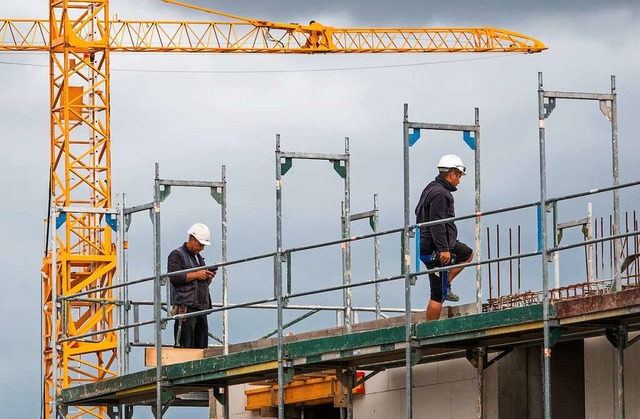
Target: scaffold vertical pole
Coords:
[(225, 284), (617, 259), (622, 343), (278, 278), (351, 375), (478, 197), (546, 354), (407, 269), (54, 309), (225, 279), (346, 234), (157, 290), (480, 357), (376, 253), (125, 279), (119, 294)]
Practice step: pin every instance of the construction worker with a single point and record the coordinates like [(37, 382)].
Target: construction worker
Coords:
[(439, 245), (190, 291)]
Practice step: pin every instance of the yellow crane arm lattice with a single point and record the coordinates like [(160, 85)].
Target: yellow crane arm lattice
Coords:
[(269, 37)]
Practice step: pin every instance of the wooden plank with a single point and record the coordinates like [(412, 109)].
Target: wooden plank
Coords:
[(171, 355)]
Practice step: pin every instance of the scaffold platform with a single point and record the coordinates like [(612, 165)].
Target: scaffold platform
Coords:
[(371, 346)]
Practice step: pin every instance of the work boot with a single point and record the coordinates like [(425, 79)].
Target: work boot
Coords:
[(451, 296)]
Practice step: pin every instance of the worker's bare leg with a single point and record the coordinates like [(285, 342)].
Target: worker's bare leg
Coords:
[(433, 310), (455, 271)]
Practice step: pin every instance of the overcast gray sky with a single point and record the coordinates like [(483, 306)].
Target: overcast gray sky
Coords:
[(192, 123)]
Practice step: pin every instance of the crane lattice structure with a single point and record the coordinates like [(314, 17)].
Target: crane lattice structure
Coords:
[(80, 252)]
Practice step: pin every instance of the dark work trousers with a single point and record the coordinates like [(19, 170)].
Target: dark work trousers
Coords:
[(194, 332)]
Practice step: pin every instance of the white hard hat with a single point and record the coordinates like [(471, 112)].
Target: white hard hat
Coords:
[(451, 161), (201, 233)]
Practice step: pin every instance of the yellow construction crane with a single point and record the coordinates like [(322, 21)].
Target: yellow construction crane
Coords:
[(80, 253)]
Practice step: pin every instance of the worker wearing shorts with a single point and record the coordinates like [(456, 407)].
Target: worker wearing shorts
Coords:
[(439, 245)]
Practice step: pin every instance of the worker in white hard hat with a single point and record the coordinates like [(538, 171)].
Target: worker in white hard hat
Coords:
[(439, 245), (190, 291)]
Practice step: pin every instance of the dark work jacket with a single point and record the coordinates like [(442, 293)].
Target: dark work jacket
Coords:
[(437, 203), (193, 294)]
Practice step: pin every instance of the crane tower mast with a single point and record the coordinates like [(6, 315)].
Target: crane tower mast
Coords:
[(82, 255)]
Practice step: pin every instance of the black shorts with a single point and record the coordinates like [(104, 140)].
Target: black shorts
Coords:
[(460, 252)]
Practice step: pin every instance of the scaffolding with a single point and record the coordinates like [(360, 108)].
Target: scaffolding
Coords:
[(540, 316)]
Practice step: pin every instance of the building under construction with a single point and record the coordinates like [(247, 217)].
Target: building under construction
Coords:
[(557, 351)]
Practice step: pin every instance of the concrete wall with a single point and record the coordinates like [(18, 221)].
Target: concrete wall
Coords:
[(567, 381), (600, 379), (443, 389), (447, 389), (238, 401)]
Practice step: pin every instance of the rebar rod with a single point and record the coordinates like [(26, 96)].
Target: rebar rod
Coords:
[(519, 260), (510, 262), (498, 256), (590, 247), (376, 254), (489, 265)]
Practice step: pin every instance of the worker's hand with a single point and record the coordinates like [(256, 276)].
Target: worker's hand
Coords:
[(213, 274), (445, 258), (204, 275)]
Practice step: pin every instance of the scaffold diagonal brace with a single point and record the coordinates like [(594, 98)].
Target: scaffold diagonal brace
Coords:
[(339, 168), (216, 193), (549, 107), (469, 139), (111, 222), (605, 108), (165, 191), (414, 136), (61, 219), (497, 358), (284, 167)]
